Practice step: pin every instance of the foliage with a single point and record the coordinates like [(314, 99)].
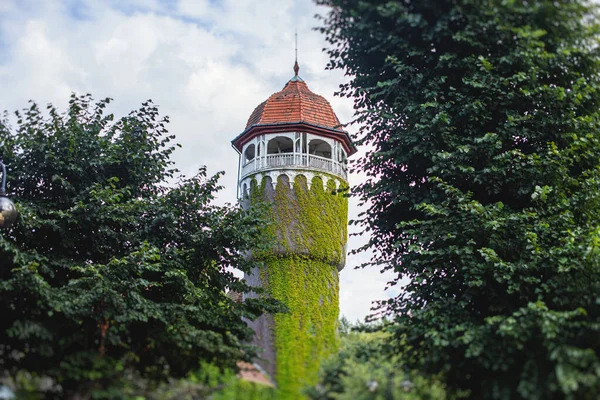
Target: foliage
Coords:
[(306, 335), (210, 382), (483, 184), (111, 275), (307, 221), (236, 389), (310, 227), (363, 370)]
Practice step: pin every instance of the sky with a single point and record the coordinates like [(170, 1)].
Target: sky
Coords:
[(206, 63)]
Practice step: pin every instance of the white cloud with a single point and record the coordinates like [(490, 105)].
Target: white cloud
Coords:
[(194, 8), (206, 64)]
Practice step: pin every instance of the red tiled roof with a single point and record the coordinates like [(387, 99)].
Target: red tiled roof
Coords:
[(235, 296), (252, 373), (295, 103)]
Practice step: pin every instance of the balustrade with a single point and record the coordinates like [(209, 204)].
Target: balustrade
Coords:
[(272, 161)]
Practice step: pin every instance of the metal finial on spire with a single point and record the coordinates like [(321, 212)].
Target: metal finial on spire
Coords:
[(296, 66)]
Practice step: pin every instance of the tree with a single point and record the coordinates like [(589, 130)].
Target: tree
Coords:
[(363, 370), (483, 186), (111, 274)]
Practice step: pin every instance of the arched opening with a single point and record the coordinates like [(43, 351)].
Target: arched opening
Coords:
[(341, 155), (319, 148), (245, 190), (283, 179), (250, 153), (280, 144)]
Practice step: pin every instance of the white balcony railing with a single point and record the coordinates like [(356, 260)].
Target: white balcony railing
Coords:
[(294, 160)]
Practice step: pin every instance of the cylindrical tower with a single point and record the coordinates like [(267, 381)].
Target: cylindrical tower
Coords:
[(293, 155)]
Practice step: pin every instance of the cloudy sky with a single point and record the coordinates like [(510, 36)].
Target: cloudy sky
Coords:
[(206, 63)]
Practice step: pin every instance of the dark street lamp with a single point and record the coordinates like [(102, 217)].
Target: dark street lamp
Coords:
[(8, 211)]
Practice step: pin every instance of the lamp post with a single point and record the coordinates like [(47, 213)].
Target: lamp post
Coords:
[(8, 211)]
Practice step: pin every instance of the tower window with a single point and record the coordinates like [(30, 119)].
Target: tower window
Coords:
[(319, 148), (280, 144), (250, 153), (341, 155)]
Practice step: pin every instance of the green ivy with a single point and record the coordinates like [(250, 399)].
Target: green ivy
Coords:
[(301, 270), (238, 389)]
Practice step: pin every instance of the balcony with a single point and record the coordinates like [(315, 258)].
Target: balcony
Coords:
[(294, 161)]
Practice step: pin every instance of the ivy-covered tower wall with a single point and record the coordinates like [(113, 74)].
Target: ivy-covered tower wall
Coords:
[(293, 156), (309, 228)]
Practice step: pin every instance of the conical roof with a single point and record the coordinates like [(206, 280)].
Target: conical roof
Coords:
[(295, 103), (294, 107)]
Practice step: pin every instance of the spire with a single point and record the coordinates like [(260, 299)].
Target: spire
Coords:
[(296, 66)]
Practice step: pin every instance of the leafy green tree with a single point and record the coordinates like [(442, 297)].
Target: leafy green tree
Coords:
[(364, 370), (210, 382), (481, 120), (111, 275)]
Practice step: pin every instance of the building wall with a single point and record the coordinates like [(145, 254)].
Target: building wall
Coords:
[(309, 233)]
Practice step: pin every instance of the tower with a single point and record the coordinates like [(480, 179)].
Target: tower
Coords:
[(293, 156)]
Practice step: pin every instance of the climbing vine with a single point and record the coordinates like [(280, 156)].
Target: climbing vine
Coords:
[(301, 270)]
